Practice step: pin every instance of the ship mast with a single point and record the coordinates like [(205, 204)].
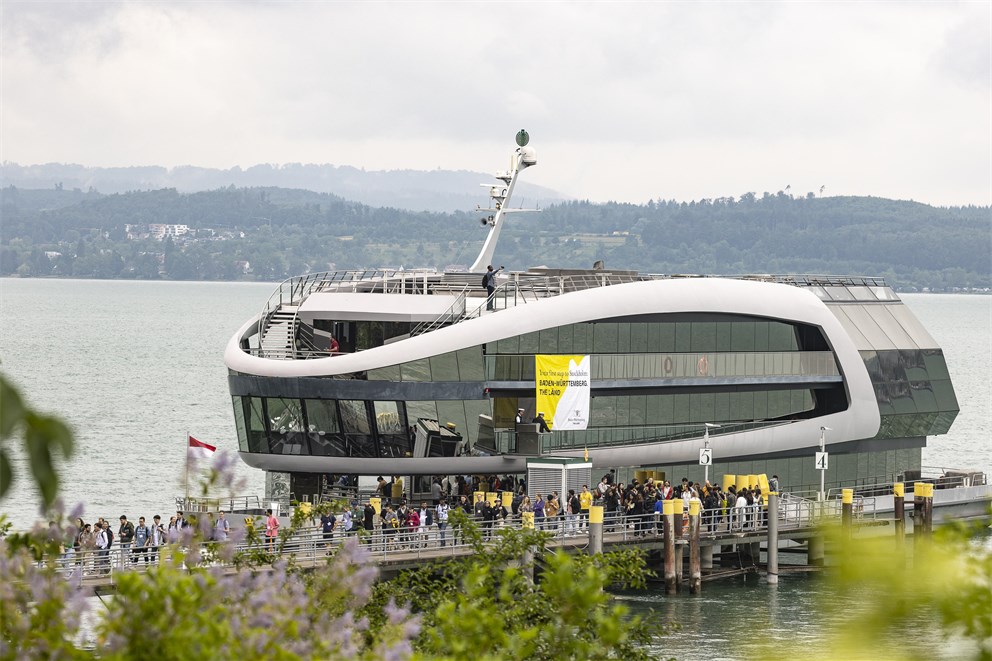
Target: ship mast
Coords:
[(523, 157)]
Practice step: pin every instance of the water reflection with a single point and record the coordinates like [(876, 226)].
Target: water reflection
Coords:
[(746, 618)]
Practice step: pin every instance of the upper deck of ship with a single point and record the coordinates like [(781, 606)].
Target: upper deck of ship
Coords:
[(428, 300)]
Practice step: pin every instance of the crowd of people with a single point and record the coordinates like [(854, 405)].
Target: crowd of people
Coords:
[(638, 506), (89, 549), (397, 522)]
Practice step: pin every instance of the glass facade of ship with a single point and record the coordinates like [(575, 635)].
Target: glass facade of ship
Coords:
[(655, 377)]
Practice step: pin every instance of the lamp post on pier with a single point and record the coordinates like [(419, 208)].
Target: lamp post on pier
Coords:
[(706, 455), (821, 463)]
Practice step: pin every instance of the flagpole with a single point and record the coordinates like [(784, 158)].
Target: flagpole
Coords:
[(186, 450)]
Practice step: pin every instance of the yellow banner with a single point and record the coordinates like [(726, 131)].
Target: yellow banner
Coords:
[(563, 388)]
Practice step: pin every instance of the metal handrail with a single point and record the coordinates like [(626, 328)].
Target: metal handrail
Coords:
[(524, 287), (311, 547), (879, 485), (597, 437), (211, 504)]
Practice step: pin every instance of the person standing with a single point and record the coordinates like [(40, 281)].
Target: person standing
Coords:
[(488, 514), (441, 513), (102, 542), (574, 506), (552, 509), (368, 521), (390, 524), (126, 536), (412, 527), (585, 502), (327, 523), (436, 490), (489, 282), (542, 424), (87, 544), (347, 522), (157, 537), (222, 528), (539, 512), (271, 529), (141, 537), (426, 521)]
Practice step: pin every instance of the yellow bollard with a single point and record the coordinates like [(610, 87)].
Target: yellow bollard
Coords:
[(596, 514), (528, 520), (752, 481), (507, 499), (668, 507), (741, 482), (729, 481), (694, 508), (847, 510), (491, 497)]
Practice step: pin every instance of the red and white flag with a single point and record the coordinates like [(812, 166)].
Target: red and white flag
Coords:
[(200, 449)]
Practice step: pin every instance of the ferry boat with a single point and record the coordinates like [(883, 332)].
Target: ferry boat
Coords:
[(391, 372)]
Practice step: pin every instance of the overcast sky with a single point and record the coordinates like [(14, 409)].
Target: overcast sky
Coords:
[(623, 101)]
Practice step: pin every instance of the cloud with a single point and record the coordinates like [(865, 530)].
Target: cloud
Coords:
[(623, 100)]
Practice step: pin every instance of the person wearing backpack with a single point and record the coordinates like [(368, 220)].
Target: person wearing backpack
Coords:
[(126, 535), (489, 282), (108, 532), (104, 538), (441, 512), (142, 536)]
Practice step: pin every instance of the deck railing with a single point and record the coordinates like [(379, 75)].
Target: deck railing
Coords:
[(521, 288)]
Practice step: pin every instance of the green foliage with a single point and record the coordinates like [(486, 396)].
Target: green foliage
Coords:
[(486, 605), (942, 585), (43, 436), (289, 232)]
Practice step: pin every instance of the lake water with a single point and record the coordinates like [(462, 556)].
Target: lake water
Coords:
[(134, 366)]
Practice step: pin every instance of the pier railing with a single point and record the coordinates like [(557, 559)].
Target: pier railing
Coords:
[(403, 546)]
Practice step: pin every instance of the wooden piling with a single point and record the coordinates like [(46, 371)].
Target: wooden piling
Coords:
[(772, 569), (668, 515), (695, 574), (918, 522), (814, 551), (928, 509), (847, 512), (899, 511)]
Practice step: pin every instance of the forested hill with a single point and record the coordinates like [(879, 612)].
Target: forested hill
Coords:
[(272, 233), (433, 190)]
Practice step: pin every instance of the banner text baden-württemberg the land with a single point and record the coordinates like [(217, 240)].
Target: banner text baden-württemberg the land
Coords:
[(563, 390)]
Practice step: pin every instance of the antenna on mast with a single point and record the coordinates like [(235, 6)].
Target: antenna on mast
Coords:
[(523, 157)]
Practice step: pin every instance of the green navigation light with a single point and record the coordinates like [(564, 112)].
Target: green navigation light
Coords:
[(522, 138)]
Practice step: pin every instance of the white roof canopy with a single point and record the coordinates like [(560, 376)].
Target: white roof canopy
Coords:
[(375, 307)]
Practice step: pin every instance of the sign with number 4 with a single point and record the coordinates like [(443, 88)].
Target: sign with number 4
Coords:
[(821, 461)]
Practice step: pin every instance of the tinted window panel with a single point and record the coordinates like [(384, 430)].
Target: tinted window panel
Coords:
[(240, 424), (257, 430)]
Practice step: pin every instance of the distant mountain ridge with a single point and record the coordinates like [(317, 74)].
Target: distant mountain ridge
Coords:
[(414, 190)]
